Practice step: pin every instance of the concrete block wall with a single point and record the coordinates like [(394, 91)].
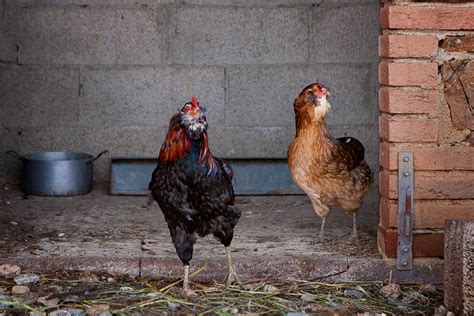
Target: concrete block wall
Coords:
[(89, 75), (427, 77)]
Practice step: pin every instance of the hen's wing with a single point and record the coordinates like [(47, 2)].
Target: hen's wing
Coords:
[(347, 153)]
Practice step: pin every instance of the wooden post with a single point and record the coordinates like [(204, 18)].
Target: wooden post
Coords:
[(459, 266)]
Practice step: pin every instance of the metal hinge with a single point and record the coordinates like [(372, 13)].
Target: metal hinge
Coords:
[(405, 211)]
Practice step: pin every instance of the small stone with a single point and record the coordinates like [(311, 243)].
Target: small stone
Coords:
[(26, 278), (13, 223), (89, 278), (59, 312), (428, 288), (391, 291), (8, 202), (110, 280), (60, 235), (98, 309), (153, 294), (126, 288), (20, 289), (412, 297), (354, 293), (146, 247), (270, 288), (9, 270), (174, 305), (3, 297), (440, 311), (48, 303), (73, 299), (234, 310)]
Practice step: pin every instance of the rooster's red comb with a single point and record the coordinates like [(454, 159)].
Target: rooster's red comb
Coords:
[(195, 102)]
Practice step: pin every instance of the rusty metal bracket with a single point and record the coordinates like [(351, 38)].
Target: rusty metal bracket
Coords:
[(405, 211)]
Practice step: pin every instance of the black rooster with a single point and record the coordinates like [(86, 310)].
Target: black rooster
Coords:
[(193, 188)]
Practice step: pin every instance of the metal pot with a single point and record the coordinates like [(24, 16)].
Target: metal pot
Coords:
[(56, 173)]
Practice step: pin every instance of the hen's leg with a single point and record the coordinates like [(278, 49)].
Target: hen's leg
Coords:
[(231, 274), (323, 211), (321, 231), (354, 235)]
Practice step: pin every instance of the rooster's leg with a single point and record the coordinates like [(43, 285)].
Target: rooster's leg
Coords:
[(354, 235), (231, 274), (186, 289)]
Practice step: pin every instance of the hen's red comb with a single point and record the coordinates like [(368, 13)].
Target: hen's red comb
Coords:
[(195, 102)]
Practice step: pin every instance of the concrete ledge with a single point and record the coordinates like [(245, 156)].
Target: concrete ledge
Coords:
[(426, 271)]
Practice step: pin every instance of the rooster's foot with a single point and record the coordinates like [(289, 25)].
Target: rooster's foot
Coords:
[(231, 278)]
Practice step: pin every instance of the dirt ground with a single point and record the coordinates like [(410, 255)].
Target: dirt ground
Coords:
[(98, 224)]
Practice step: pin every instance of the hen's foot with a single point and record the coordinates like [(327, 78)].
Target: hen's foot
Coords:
[(320, 239), (354, 236)]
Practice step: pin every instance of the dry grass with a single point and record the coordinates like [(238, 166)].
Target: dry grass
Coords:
[(122, 295)]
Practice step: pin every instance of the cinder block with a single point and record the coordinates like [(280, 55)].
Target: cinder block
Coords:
[(92, 35), (264, 95), (459, 267), (345, 33), (119, 140), (128, 3), (9, 140), (148, 96), (428, 213), (251, 142), (38, 96), (240, 35), (7, 46)]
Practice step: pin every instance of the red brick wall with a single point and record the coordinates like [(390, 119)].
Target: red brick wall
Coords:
[(426, 100)]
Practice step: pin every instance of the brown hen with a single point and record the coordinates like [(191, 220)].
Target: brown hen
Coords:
[(330, 171)]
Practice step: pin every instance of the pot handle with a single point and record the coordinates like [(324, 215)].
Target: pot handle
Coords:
[(14, 154), (90, 161)]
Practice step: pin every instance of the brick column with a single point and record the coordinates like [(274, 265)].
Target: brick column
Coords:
[(417, 110)]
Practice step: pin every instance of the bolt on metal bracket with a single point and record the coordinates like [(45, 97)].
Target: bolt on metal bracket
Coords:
[(405, 211)]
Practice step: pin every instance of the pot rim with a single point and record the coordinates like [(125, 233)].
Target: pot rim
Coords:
[(57, 156)]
